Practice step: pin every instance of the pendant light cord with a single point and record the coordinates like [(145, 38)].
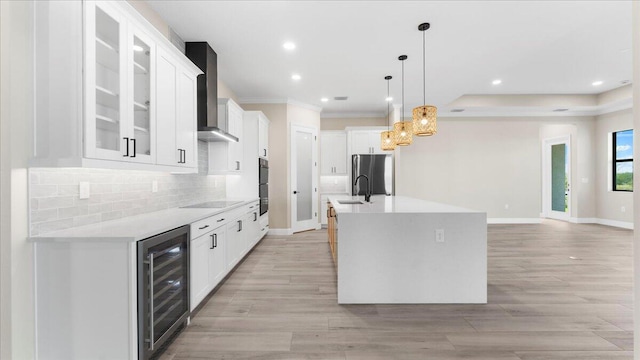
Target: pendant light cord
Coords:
[(402, 113), (388, 108), (424, 70)]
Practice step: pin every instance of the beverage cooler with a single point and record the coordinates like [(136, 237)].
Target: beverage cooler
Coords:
[(163, 289)]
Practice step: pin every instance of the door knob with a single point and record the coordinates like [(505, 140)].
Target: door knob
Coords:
[(295, 192)]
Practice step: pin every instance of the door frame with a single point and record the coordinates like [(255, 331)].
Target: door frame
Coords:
[(313, 223), (546, 178)]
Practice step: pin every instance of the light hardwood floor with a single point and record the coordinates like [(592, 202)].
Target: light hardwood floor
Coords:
[(280, 303)]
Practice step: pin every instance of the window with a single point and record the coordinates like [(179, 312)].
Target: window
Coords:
[(622, 160)]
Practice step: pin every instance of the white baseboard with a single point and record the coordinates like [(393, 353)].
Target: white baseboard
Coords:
[(614, 223), (280, 232), (514, 220), (583, 220), (620, 224)]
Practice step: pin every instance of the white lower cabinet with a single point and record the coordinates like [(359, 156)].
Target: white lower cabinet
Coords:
[(234, 248), (214, 253), (207, 264)]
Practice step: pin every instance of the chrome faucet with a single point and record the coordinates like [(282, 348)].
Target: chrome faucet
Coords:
[(367, 194)]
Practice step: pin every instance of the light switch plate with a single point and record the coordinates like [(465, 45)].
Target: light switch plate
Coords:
[(85, 190), (440, 235)]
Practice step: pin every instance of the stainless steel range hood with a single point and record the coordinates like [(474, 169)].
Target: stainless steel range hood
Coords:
[(209, 127)]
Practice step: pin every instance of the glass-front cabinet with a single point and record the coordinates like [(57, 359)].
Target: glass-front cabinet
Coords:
[(141, 53), (118, 86)]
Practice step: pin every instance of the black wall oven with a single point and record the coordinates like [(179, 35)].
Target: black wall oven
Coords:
[(163, 289), (263, 185)]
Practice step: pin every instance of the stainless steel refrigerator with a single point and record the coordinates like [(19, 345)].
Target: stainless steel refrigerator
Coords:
[(379, 170)]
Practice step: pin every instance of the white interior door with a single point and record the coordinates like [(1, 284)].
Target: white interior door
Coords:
[(557, 178), (304, 175)]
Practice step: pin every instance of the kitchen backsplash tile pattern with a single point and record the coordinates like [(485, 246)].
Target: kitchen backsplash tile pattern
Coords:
[(55, 203)]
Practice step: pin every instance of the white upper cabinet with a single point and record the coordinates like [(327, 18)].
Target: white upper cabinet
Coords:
[(107, 120), (119, 61), (227, 157), (333, 153), (176, 121), (104, 84), (365, 142), (263, 136)]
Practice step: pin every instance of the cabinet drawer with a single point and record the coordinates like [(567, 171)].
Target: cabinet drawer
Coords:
[(203, 226)]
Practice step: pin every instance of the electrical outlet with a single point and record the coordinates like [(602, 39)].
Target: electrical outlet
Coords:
[(154, 186), (84, 190), (623, 209), (439, 235), (506, 206)]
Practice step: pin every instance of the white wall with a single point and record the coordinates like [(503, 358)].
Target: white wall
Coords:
[(478, 164), (16, 103), (636, 181), (488, 163), (610, 202)]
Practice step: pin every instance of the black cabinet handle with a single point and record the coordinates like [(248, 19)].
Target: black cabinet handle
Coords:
[(215, 237), (134, 147), (213, 245), (204, 227), (239, 225), (237, 165), (255, 216), (184, 156), (265, 152), (126, 139), (220, 220)]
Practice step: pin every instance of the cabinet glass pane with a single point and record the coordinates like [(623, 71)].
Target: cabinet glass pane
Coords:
[(141, 96), (107, 82)]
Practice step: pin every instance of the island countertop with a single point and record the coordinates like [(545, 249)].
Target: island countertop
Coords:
[(392, 205)]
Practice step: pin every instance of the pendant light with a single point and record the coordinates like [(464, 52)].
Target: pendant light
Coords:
[(403, 129), (425, 116), (387, 138)]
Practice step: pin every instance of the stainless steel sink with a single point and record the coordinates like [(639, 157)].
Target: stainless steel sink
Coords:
[(350, 202)]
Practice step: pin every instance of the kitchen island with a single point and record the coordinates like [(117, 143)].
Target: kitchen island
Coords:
[(403, 250)]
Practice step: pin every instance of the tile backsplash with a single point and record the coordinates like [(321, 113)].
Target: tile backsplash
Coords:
[(55, 203)]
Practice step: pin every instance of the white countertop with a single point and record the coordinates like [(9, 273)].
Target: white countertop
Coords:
[(381, 204), (136, 227)]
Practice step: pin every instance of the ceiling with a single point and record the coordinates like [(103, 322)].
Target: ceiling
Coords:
[(345, 48)]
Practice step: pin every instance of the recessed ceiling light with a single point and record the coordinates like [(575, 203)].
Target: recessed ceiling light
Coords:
[(496, 82), (597, 83), (289, 45), (324, 99), (137, 48), (389, 99), (296, 77)]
